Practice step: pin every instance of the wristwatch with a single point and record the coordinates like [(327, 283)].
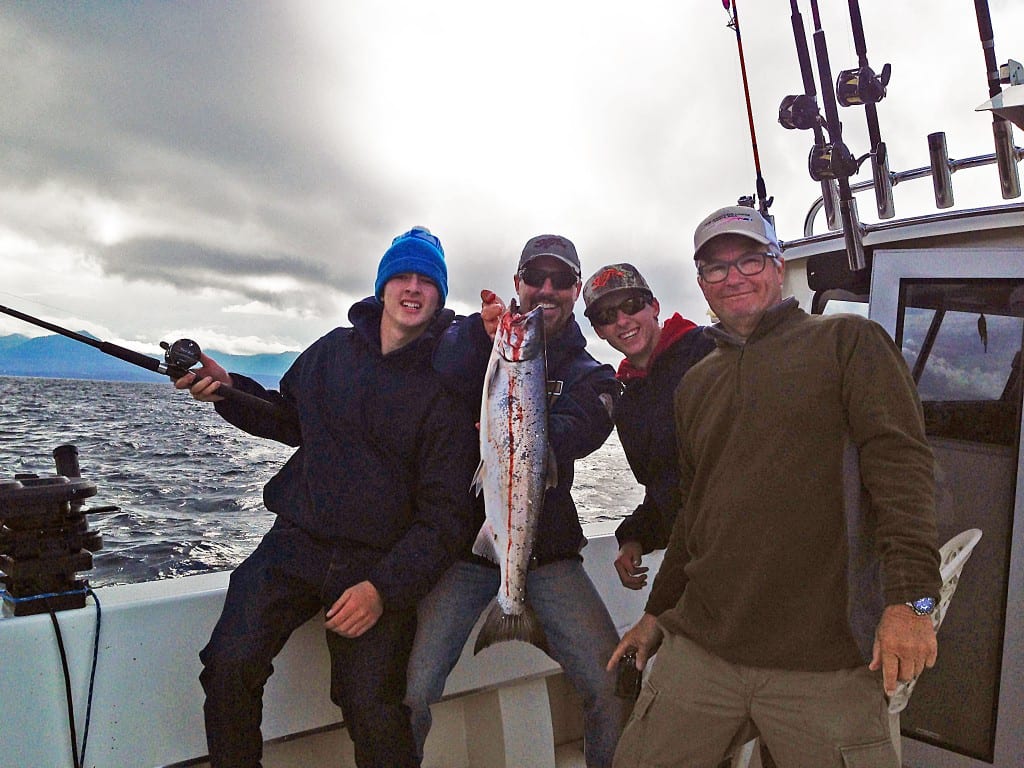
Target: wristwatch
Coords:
[(923, 606)]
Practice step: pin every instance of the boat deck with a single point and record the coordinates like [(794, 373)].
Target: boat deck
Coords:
[(508, 706)]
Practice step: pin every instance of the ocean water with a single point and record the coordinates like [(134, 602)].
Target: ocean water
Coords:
[(189, 486)]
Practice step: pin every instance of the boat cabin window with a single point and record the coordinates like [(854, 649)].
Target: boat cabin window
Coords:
[(962, 340), (836, 301)]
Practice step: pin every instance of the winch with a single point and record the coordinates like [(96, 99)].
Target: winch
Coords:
[(45, 538)]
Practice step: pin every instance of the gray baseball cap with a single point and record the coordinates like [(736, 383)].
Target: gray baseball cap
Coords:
[(550, 245)]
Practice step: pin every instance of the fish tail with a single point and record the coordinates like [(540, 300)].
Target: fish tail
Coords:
[(500, 626)]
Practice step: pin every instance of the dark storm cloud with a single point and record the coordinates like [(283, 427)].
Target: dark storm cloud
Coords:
[(100, 82), (183, 107), (190, 267)]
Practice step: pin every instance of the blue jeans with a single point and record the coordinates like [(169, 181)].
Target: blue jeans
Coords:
[(289, 578), (581, 638)]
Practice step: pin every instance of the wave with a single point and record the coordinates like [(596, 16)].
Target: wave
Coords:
[(189, 486)]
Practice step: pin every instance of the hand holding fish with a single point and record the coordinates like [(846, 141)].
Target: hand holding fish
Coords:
[(645, 637), (517, 466), (491, 310), (356, 611), (204, 381)]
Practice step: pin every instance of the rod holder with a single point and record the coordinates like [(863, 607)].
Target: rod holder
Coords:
[(830, 199), (852, 235), (1006, 159), (882, 181), (942, 182)]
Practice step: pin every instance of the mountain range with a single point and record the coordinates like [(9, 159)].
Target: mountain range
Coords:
[(59, 357)]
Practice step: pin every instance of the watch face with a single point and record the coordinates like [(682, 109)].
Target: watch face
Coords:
[(924, 606)]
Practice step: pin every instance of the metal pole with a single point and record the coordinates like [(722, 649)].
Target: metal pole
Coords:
[(829, 191), (847, 204), (1002, 129), (879, 154)]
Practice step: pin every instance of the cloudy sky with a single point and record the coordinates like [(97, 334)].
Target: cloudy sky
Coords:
[(232, 172)]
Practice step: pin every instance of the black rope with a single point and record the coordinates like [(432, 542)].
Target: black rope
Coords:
[(67, 685), (92, 673), (76, 760)]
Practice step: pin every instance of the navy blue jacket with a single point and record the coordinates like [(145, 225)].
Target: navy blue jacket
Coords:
[(578, 421), (385, 452), (646, 425)]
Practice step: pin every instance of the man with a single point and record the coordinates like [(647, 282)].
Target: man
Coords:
[(803, 558), (371, 509), (578, 627), (624, 312)]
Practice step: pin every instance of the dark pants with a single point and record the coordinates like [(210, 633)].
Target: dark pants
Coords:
[(287, 580)]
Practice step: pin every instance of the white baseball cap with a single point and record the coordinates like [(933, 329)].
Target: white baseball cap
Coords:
[(734, 220)]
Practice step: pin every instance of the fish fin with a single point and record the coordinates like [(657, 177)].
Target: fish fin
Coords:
[(476, 485), (500, 626), (551, 481), (484, 545)]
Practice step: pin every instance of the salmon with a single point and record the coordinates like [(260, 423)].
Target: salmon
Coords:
[(516, 468)]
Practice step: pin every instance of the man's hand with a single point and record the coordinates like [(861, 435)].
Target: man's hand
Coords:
[(356, 611), (627, 564), (491, 310), (204, 381), (646, 637), (904, 645)]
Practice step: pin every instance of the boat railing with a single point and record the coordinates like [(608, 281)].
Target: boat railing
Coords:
[(942, 193)]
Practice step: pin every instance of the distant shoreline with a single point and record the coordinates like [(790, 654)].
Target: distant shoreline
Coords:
[(59, 357)]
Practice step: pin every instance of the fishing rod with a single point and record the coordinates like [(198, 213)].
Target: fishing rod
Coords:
[(1002, 129), (863, 86), (801, 112), (764, 202), (834, 160), (179, 357)]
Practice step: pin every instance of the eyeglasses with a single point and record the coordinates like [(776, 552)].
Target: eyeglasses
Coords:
[(748, 265), (561, 279), (608, 315)]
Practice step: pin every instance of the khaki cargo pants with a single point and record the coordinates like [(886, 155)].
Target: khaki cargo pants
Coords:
[(695, 708)]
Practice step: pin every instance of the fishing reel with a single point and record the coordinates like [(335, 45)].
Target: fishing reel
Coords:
[(799, 112), (831, 161), (855, 87), (180, 356)]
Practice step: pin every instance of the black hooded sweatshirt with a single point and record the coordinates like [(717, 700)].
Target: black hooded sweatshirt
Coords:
[(385, 453)]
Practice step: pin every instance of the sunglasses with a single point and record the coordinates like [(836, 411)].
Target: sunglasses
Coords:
[(608, 315), (561, 279)]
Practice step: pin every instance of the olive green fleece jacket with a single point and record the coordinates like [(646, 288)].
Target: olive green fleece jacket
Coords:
[(807, 494)]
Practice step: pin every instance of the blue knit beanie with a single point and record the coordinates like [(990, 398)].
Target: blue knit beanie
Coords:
[(416, 251)]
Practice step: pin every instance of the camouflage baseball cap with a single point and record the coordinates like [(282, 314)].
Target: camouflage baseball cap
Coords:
[(614, 278)]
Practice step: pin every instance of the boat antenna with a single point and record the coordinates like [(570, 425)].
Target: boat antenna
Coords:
[(862, 86), (764, 202), (801, 112), (179, 357), (834, 160), (1002, 129)]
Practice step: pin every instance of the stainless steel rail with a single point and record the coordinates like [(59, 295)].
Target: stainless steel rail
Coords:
[(900, 176)]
